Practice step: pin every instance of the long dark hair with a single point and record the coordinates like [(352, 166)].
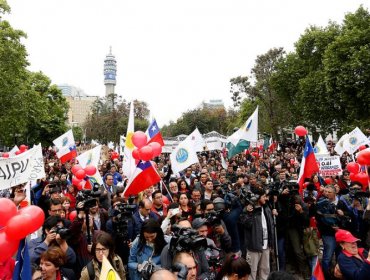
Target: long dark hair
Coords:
[(234, 264), (152, 226)]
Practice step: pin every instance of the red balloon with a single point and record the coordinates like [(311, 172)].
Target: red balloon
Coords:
[(261, 147), (157, 148), (90, 170), (146, 153), (7, 247), (300, 130), (80, 174), (5, 155), (114, 155), (22, 148), (135, 154), (353, 167), (362, 178), (363, 157), (75, 181), (328, 181), (139, 139), (72, 215), (75, 168), (362, 147), (165, 200), (37, 215), (7, 210), (18, 152), (17, 227), (87, 185), (352, 176)]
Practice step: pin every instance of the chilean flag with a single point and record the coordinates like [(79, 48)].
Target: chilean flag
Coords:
[(317, 274), (143, 177), (153, 133), (308, 165), (65, 147)]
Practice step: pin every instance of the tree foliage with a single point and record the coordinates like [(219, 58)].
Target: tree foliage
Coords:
[(31, 109), (109, 119)]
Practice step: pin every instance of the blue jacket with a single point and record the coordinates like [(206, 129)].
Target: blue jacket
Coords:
[(353, 268), (138, 257), (137, 222)]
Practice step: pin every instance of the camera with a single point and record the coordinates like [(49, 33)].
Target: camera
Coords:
[(186, 240), (213, 218), (63, 232), (147, 269), (88, 197), (291, 185), (121, 217), (247, 197)]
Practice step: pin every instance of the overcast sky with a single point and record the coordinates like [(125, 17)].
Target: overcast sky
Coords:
[(171, 54)]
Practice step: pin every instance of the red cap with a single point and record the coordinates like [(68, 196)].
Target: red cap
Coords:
[(345, 236)]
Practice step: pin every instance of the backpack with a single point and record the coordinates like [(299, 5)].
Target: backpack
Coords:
[(90, 270)]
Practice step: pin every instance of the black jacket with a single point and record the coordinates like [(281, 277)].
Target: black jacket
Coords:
[(253, 228)]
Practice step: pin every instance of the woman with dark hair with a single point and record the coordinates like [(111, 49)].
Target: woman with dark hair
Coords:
[(185, 206), (183, 186), (234, 268), (147, 247), (102, 246), (51, 263)]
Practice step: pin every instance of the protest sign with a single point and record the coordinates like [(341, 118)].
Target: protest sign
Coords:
[(22, 168), (329, 165)]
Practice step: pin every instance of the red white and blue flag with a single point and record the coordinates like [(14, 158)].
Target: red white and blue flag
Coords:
[(22, 268), (317, 274), (65, 147), (153, 133), (308, 165), (143, 177)]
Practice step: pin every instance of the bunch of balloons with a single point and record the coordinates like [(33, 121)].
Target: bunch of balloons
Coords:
[(16, 225), (363, 158), (22, 148), (143, 150), (114, 155), (300, 131), (79, 179)]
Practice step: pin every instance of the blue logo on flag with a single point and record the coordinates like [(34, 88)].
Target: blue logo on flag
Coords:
[(353, 140), (65, 141), (182, 155)]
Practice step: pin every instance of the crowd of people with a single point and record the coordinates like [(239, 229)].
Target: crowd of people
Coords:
[(249, 220)]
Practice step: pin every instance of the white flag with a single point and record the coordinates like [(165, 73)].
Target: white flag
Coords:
[(198, 140), (128, 163), (247, 132), (91, 157), (339, 147), (184, 155), (355, 139), (320, 147)]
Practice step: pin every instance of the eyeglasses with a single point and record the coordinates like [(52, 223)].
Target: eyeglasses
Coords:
[(101, 250)]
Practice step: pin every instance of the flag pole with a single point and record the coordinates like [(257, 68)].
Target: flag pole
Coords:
[(163, 184)]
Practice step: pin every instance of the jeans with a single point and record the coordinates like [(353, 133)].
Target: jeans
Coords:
[(329, 249), (281, 251)]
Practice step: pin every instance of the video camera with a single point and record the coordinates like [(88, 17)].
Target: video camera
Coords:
[(88, 197), (121, 217), (186, 240), (213, 218), (247, 197)]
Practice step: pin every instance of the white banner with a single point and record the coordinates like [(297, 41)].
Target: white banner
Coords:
[(329, 165), (22, 168)]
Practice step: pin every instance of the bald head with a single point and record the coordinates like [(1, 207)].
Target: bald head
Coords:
[(163, 274)]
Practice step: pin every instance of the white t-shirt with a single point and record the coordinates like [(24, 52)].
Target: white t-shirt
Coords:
[(264, 231)]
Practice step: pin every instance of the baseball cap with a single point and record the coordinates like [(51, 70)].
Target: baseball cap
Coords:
[(198, 222), (345, 236)]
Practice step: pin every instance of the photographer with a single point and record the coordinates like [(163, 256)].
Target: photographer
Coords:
[(259, 230), (201, 226), (146, 249), (54, 234), (187, 260), (184, 239)]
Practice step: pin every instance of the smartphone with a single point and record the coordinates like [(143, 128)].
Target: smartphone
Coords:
[(175, 211)]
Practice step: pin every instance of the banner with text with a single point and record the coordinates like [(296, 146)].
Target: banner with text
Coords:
[(329, 165), (22, 168)]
